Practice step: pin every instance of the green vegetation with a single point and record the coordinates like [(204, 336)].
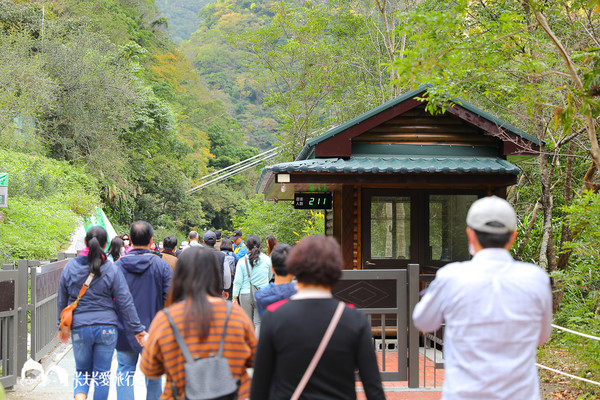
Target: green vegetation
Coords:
[(47, 200), (182, 16), (99, 86), (281, 220)]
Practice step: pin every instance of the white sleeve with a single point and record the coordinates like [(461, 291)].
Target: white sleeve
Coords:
[(546, 330), (226, 275), (428, 313)]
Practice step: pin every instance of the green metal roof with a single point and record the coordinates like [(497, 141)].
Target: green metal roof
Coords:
[(308, 148), (397, 165)]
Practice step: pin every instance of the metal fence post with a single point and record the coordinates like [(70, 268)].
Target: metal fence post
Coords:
[(413, 332), (22, 288)]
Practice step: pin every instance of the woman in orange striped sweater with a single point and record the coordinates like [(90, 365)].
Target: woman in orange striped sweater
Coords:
[(198, 310)]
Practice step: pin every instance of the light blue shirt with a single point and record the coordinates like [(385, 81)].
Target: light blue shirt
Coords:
[(260, 274)]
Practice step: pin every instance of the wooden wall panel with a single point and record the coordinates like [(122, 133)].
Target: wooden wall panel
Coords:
[(418, 126), (348, 225)]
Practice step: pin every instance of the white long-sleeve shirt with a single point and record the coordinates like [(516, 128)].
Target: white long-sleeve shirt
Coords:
[(497, 311)]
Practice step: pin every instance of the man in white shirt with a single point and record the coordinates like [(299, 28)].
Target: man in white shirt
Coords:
[(496, 310), (193, 237)]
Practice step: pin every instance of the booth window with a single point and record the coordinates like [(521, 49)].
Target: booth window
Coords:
[(447, 224), (390, 227), (423, 227)]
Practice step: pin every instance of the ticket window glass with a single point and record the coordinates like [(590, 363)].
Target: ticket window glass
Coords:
[(404, 227), (390, 225), (447, 227)]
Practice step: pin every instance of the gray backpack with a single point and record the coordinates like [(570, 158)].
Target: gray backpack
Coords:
[(206, 378)]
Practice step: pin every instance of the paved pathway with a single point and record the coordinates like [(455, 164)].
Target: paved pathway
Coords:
[(56, 382)]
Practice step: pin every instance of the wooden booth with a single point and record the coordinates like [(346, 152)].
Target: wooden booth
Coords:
[(396, 182)]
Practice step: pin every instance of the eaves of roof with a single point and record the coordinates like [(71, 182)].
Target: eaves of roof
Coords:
[(308, 149), (398, 165)]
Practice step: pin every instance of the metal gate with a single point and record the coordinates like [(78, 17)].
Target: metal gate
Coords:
[(12, 314), (388, 297), (44, 301)]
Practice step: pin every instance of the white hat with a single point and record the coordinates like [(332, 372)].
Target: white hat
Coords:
[(492, 215)]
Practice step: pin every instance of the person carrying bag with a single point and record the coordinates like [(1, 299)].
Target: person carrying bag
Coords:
[(253, 272), (202, 343), (66, 315), (92, 294), (206, 378)]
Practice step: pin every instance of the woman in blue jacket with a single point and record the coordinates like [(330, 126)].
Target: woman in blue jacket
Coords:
[(254, 266), (94, 327)]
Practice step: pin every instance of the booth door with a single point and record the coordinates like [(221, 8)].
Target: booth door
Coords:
[(401, 227)]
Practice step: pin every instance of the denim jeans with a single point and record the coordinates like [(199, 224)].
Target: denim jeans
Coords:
[(93, 348), (127, 362)]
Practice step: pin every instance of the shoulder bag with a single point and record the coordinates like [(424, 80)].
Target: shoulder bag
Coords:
[(320, 350), (253, 288), (66, 315), (206, 378)]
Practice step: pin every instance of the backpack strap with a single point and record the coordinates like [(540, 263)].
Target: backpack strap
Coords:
[(220, 352), (179, 339)]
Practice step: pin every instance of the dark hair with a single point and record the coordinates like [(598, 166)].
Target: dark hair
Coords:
[(316, 260), (278, 257), (196, 276), (169, 242), (95, 240), (271, 243), (226, 244), (492, 240), (115, 248), (193, 235), (218, 234), (253, 245), (140, 233)]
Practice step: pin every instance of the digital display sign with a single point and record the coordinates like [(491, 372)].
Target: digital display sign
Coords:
[(309, 201)]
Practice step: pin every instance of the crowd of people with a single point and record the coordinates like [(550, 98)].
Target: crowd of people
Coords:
[(136, 281), (275, 313)]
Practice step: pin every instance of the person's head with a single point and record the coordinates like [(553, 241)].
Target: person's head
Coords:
[(195, 278), (253, 245), (209, 238), (316, 260), (126, 240), (491, 223), (170, 243), (237, 237), (271, 243), (226, 244), (193, 236), (115, 248), (278, 257), (95, 240), (218, 234), (141, 234)]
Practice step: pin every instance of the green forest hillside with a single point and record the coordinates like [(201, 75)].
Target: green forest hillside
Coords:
[(98, 85), (182, 16)]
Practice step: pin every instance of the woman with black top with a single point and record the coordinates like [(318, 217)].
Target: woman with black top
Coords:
[(292, 330)]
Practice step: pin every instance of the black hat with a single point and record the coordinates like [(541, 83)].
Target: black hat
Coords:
[(236, 234)]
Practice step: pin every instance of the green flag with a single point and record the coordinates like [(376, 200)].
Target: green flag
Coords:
[(3, 179)]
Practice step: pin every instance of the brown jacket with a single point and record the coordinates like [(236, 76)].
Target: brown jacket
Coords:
[(170, 259)]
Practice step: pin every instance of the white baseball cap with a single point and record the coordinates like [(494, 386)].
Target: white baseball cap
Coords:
[(492, 215)]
